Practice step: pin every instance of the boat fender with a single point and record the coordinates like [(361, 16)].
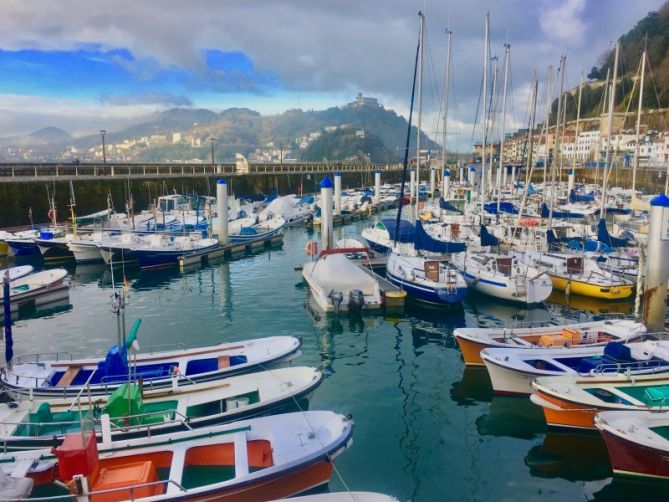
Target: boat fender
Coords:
[(52, 214)]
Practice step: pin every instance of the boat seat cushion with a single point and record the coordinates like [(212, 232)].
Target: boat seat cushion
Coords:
[(656, 394), (618, 352)]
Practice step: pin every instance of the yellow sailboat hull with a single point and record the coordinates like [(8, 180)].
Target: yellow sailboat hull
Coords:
[(4, 248), (583, 288)]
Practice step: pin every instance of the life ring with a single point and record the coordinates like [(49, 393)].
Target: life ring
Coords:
[(529, 222), (52, 214)]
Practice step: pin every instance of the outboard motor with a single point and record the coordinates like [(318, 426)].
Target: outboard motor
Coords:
[(356, 301), (337, 297), (309, 220)]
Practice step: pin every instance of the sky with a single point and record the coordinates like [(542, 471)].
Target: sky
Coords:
[(84, 66)]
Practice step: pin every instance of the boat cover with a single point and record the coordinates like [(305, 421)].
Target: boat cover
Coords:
[(426, 242), (406, 231), (447, 206), (574, 197), (335, 272), (604, 236), (487, 239)]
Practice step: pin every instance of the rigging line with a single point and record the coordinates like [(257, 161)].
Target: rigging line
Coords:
[(313, 429), (476, 116)]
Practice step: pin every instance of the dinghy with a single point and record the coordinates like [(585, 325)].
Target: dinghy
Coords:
[(32, 285), (15, 272), (512, 370), (573, 401), (134, 412), (473, 340), (637, 442), (259, 459), (337, 284), (65, 376)]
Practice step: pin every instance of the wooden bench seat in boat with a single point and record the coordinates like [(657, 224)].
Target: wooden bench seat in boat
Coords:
[(69, 376), (130, 474)]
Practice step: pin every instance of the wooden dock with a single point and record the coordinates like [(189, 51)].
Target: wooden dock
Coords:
[(229, 251)]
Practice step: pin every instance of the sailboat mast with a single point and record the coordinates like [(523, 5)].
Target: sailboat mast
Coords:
[(578, 113), (556, 155), (638, 124), (530, 133), (493, 110), (547, 120), (612, 100), (484, 94), (420, 109), (507, 48), (447, 78)]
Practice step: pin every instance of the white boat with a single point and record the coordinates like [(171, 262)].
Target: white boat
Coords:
[(503, 277), (39, 287), (260, 230), (134, 412), (382, 236), (15, 272), (259, 459), (290, 208), (473, 340), (337, 284), (512, 370), (160, 251), (42, 375), (85, 248)]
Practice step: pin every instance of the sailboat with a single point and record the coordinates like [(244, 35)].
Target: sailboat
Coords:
[(502, 275)]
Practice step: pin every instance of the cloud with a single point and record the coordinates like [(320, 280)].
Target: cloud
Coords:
[(563, 23), (321, 48), (159, 98)]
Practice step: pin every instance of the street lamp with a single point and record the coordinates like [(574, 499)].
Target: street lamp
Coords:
[(104, 153)]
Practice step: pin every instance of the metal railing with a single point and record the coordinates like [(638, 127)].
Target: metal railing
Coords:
[(25, 171), (43, 356)]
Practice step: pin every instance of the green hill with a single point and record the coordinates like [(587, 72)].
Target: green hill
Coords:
[(651, 31), (348, 145)]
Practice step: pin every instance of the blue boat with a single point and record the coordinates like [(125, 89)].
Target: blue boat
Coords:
[(161, 251), (258, 231)]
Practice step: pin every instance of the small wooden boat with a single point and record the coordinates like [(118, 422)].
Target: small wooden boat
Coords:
[(134, 412), (38, 287), (473, 340), (260, 459), (573, 402), (637, 442), (512, 370), (15, 272), (67, 377)]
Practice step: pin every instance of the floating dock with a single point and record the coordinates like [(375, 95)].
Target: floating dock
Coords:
[(227, 251)]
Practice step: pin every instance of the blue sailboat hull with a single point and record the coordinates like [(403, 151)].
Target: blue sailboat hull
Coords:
[(161, 259), (428, 294), (24, 248)]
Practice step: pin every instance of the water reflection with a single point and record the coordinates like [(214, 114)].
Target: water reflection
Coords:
[(514, 417), (474, 387), (578, 304), (620, 489), (487, 313), (572, 456)]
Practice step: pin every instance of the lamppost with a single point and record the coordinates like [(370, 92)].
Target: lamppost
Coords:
[(213, 163), (104, 153)]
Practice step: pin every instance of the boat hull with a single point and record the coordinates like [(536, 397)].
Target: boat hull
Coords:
[(85, 252), (617, 292), (117, 255), (440, 296), (152, 259), (509, 382), (23, 248), (54, 251), (563, 413), (629, 458), (471, 351)]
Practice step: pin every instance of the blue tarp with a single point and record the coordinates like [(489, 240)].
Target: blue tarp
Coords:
[(406, 231), (604, 236), (532, 190), (574, 197), (589, 245), (447, 206), (307, 199), (427, 243), (487, 239), (504, 207)]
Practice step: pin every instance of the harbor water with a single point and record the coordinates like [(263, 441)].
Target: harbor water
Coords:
[(425, 428)]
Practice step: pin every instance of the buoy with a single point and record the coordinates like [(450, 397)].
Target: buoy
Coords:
[(52, 214), (312, 248), (395, 298)]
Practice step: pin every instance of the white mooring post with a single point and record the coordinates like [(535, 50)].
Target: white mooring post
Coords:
[(657, 265), (377, 187), (222, 209), (326, 214), (513, 176), (433, 179), (337, 193), (570, 181), (446, 184)]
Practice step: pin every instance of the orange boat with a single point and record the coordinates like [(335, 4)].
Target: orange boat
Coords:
[(260, 459), (571, 401), (473, 340)]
